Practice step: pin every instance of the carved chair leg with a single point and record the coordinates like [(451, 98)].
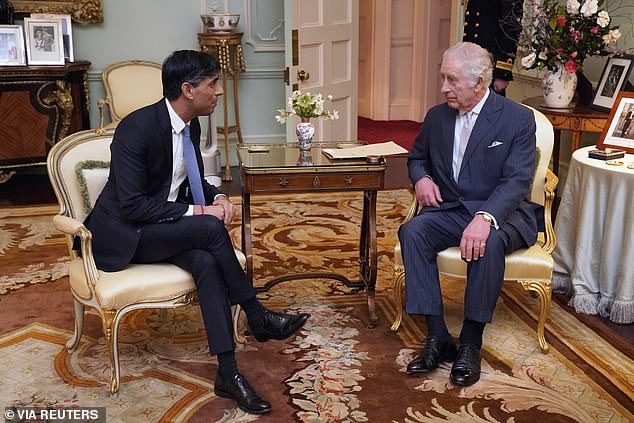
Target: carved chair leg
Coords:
[(237, 330), (110, 320), (544, 291), (72, 343), (399, 286)]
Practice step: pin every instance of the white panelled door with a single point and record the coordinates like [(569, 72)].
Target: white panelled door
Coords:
[(322, 39)]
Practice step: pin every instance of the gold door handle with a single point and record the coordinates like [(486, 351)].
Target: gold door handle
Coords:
[(302, 75)]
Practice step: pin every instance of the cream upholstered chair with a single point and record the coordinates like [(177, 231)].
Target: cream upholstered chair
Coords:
[(78, 170), (129, 85), (531, 267), (133, 84)]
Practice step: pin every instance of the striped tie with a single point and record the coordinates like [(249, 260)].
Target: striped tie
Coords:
[(465, 133)]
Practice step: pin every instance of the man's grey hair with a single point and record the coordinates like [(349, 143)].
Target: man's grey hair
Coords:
[(476, 61)]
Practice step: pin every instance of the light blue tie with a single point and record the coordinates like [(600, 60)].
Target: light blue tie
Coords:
[(193, 174)]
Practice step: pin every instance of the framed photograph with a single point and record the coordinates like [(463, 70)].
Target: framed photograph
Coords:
[(44, 41), (613, 78), (11, 46), (67, 32), (619, 131)]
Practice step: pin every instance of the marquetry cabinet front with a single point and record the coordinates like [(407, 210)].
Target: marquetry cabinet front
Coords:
[(40, 105)]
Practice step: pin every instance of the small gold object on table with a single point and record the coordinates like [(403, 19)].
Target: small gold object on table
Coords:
[(229, 50)]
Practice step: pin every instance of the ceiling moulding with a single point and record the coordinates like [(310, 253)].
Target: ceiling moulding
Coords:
[(82, 11), (264, 25)]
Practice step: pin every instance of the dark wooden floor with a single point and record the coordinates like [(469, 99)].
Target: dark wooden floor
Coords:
[(32, 187)]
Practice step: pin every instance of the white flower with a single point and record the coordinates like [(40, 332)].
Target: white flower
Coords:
[(335, 115), (529, 60), (280, 119), (612, 36), (604, 19), (590, 7), (329, 97), (543, 55), (572, 6)]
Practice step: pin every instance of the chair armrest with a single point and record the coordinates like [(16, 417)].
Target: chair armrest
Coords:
[(74, 227), (102, 103), (549, 192), (413, 207)]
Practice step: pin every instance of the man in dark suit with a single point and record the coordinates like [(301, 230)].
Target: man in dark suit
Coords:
[(471, 166), (156, 206), (496, 26)]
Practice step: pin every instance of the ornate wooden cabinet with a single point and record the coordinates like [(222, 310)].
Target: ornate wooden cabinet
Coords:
[(39, 105)]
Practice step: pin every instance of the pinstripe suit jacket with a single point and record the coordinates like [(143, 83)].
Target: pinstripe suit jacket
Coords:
[(497, 168)]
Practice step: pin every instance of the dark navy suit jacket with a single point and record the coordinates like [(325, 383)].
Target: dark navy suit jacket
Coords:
[(138, 185), (497, 168)]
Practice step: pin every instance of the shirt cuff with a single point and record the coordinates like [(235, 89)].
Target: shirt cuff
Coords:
[(220, 195), (190, 211), (495, 222)]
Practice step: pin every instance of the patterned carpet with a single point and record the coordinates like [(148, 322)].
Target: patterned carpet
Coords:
[(335, 370)]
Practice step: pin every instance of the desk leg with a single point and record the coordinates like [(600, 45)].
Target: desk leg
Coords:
[(247, 242), (367, 252), (556, 146), (576, 140)]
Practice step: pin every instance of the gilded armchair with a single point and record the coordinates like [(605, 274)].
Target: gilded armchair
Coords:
[(531, 267), (78, 170)]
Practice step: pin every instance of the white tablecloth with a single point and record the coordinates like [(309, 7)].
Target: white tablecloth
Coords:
[(594, 257)]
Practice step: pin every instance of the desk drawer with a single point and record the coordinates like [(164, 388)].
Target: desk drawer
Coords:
[(314, 182)]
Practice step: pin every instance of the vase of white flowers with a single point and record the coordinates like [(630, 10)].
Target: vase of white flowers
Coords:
[(305, 106), (560, 37)]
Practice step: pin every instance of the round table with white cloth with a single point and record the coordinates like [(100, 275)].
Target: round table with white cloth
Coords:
[(594, 257)]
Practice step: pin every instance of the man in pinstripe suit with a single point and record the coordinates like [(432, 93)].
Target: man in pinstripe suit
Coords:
[(471, 165)]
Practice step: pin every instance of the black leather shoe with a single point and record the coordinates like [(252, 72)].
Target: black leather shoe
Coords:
[(277, 325), (239, 390), (435, 350), (466, 369)]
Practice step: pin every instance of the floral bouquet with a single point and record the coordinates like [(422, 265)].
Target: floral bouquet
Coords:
[(306, 106), (563, 36)]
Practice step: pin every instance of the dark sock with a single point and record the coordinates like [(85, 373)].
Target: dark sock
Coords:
[(254, 309), (436, 326), (227, 366), (471, 333)]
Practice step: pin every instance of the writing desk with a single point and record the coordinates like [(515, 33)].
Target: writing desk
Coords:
[(283, 169)]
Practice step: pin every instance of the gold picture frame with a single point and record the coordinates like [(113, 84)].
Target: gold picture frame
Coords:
[(619, 131), (81, 11)]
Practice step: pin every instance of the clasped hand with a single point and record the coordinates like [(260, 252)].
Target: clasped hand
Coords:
[(475, 235), (222, 208)]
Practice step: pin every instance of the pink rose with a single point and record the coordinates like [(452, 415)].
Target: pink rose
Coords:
[(573, 54), (570, 66), (595, 30), (560, 21), (559, 50), (576, 36)]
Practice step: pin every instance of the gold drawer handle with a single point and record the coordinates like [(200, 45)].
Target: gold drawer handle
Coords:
[(283, 182), (349, 180), (316, 182)]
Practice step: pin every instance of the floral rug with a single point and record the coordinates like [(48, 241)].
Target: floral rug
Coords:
[(334, 370)]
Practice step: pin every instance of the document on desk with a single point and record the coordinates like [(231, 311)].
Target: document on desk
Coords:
[(362, 151)]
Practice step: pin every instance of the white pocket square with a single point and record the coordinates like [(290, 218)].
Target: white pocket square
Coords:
[(495, 144)]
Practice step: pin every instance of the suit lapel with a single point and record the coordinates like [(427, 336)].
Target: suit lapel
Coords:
[(165, 128), (448, 129), (482, 130)]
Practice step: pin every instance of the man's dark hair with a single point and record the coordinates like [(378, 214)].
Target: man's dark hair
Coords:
[(186, 66)]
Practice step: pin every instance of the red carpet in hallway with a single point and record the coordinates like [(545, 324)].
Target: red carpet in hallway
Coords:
[(402, 132)]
